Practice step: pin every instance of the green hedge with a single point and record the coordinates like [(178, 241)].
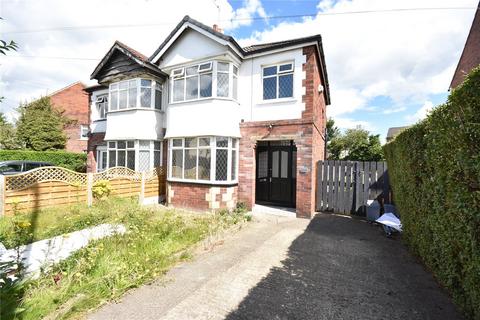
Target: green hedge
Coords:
[(434, 169), (69, 160)]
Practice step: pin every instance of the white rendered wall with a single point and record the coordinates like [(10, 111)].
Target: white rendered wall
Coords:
[(211, 117), (136, 124), (250, 94), (189, 47)]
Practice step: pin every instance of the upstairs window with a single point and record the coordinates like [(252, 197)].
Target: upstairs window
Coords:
[(278, 81), (135, 93), (102, 105), (83, 132), (197, 81)]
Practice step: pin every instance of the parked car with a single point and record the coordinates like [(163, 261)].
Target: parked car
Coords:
[(19, 166)]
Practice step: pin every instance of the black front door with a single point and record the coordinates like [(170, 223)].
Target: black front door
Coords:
[(276, 173)]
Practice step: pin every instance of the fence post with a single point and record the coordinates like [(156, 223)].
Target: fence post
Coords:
[(141, 196), (89, 189), (2, 195)]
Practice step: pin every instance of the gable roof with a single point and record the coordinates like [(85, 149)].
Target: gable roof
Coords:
[(470, 57), (249, 50), (136, 56), (68, 87)]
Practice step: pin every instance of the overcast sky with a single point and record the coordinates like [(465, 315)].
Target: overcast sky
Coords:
[(386, 68)]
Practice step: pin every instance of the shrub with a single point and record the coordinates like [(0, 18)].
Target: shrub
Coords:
[(434, 169), (101, 189), (69, 160)]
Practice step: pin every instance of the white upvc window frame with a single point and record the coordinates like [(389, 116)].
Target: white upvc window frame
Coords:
[(101, 103), (233, 151), (181, 74), (277, 76), (155, 85), (101, 164), (136, 148), (84, 129)]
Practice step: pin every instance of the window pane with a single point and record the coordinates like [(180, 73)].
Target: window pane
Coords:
[(121, 145), (112, 162), (132, 83), (221, 165), (275, 166), (123, 85), (131, 159), (204, 142), (177, 163), (157, 145), (178, 86), (114, 86), (103, 160), (205, 66), (190, 164), (130, 144), (285, 86), (144, 160), (221, 66), (204, 160), (222, 142), (114, 101), (121, 158), (284, 165), (158, 99), (235, 70), (146, 83), (269, 88), (144, 145), (192, 88), (222, 84), (235, 85), (156, 159), (262, 164), (206, 85), (111, 144), (285, 67), (191, 71), (145, 97), (270, 71), (177, 142), (190, 142), (234, 164), (122, 99), (132, 97)]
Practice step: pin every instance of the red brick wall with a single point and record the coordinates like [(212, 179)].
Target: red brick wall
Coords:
[(200, 196), (73, 101), (307, 132)]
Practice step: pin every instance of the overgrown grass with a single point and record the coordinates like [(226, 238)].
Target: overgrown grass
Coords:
[(155, 240), (50, 222)]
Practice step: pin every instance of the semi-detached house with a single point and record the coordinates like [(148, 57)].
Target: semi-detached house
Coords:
[(228, 123)]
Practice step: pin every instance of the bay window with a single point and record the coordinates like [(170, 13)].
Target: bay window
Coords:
[(278, 81), (204, 159), (139, 155), (135, 93), (198, 81)]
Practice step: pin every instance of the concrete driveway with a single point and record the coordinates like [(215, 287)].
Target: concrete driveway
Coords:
[(331, 267)]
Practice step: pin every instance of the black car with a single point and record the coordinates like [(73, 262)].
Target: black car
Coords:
[(14, 166)]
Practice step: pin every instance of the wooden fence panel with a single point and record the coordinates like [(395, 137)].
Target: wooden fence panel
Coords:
[(51, 186), (346, 186)]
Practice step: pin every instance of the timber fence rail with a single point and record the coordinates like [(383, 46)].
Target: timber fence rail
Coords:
[(50, 186)]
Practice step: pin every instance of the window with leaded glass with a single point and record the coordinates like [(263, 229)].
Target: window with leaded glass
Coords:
[(278, 81), (223, 79), (207, 159)]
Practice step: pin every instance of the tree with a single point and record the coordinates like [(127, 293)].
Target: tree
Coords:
[(8, 138), (356, 145), (332, 130), (40, 126)]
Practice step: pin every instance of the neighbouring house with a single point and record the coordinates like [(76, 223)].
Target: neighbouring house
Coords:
[(229, 123), (394, 131), (470, 57), (73, 102)]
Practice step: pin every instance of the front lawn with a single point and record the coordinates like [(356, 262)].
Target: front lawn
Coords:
[(155, 240)]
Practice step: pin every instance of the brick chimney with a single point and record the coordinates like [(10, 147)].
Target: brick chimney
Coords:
[(217, 28)]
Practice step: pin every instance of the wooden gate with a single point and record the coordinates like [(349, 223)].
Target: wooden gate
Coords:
[(345, 186)]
